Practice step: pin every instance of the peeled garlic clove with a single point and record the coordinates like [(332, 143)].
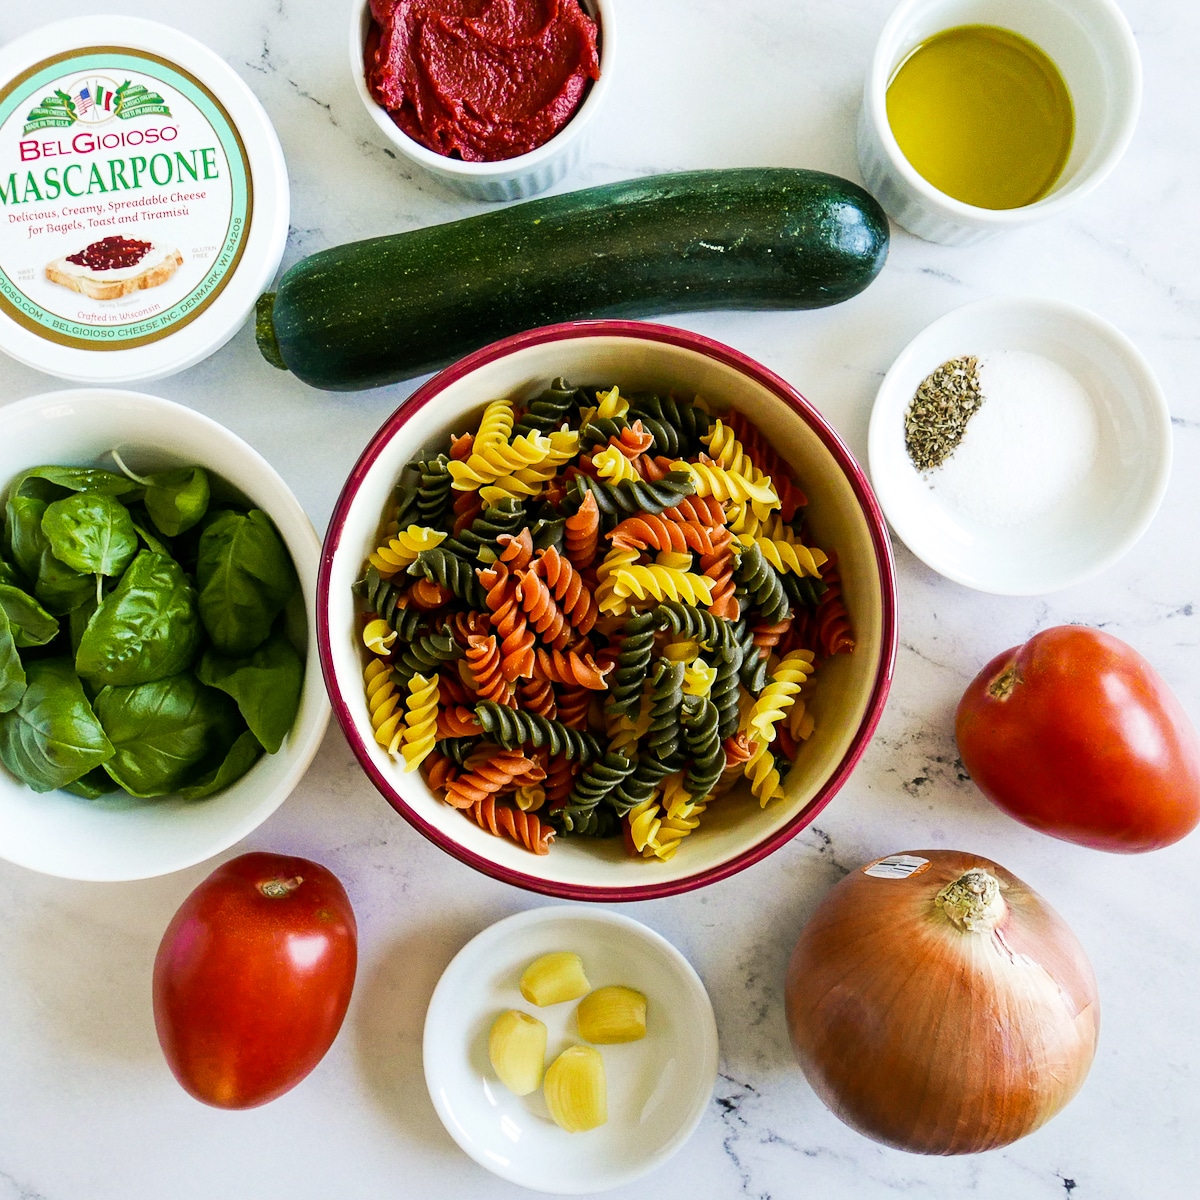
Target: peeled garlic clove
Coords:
[(517, 1048), (575, 1090), (612, 1014), (553, 978)]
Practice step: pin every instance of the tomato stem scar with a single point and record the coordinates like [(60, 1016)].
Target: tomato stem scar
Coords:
[(1005, 683), (277, 889)]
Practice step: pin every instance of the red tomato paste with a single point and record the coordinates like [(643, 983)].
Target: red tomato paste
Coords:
[(480, 80)]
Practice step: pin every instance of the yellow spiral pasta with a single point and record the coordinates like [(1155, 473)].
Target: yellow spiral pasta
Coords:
[(726, 451), (612, 465), (383, 704), (420, 720), (783, 549), (659, 583), (683, 651), (495, 461), (530, 797), (495, 427), (644, 824), (764, 777), (698, 678), (401, 551), (725, 485), (671, 831), (676, 560), (777, 697), (615, 560), (379, 636)]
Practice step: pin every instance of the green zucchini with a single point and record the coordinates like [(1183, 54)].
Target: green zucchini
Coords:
[(377, 311)]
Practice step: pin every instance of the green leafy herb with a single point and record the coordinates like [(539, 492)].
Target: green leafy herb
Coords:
[(176, 500), (148, 627), (245, 577), (57, 586), (161, 731), (96, 783), (12, 673), (91, 531), (266, 686), (243, 754), (31, 624), (52, 737)]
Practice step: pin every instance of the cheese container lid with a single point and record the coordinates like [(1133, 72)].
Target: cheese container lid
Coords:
[(143, 200)]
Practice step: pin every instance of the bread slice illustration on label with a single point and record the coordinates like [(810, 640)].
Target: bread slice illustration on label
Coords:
[(114, 267)]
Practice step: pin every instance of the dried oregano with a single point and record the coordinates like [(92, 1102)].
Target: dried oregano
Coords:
[(937, 415)]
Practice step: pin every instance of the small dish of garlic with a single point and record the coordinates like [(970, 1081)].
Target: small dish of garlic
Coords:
[(570, 1050)]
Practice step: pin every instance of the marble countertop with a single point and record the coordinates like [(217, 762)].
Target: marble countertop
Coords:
[(88, 1109)]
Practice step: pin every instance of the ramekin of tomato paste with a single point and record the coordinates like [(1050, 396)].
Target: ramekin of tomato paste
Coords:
[(490, 96)]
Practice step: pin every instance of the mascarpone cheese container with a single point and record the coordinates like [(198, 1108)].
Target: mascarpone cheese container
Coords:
[(143, 200)]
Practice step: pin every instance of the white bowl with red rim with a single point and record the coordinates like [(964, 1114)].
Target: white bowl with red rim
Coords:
[(846, 701)]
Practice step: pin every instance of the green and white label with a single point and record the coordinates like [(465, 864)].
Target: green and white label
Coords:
[(125, 198)]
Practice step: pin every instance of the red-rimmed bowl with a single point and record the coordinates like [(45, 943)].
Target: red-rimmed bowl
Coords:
[(848, 694)]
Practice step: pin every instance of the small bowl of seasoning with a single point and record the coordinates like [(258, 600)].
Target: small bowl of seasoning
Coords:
[(490, 97), (983, 115), (1019, 446)]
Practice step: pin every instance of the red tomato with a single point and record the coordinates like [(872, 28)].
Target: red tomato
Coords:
[(253, 977), (1075, 734)]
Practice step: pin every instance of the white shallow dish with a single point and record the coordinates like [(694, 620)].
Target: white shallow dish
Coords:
[(658, 1088), (1087, 529), (510, 178), (119, 837)]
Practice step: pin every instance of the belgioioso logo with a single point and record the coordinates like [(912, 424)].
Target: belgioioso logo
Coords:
[(93, 100)]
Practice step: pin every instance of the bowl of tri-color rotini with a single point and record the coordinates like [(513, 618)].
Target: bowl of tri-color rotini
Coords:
[(606, 610)]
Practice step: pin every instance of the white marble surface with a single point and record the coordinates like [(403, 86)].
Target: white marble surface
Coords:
[(88, 1110)]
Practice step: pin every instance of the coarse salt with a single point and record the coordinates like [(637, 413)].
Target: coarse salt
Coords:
[(1032, 441)]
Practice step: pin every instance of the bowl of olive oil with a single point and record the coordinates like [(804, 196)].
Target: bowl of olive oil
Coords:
[(981, 115)]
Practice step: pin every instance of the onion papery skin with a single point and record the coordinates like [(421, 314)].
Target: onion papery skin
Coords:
[(932, 1038)]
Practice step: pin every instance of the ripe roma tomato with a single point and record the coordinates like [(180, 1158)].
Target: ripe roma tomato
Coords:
[(253, 977), (1075, 734)]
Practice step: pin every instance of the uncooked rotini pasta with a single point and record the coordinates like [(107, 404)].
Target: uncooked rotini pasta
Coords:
[(593, 613)]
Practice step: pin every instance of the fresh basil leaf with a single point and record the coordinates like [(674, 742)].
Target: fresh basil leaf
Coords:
[(162, 731), (52, 737), (12, 672), (91, 532), (246, 576), (243, 754), (31, 624), (73, 479), (266, 686), (57, 586), (77, 621), (147, 628), (152, 543), (177, 499), (96, 783), (9, 575)]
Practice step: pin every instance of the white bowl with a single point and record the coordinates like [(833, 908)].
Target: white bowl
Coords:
[(1093, 47), (1097, 520), (846, 700), (510, 178), (120, 839), (658, 1088)]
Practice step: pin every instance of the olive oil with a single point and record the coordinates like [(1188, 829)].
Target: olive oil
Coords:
[(983, 115)]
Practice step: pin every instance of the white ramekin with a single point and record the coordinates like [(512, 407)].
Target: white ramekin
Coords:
[(1091, 44), (510, 178)]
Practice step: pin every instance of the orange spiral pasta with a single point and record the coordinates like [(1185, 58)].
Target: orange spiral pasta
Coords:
[(655, 532), (632, 441), (499, 769), (502, 820), (718, 566), (545, 617), (482, 665), (429, 595), (582, 533), (704, 510), (536, 695), (576, 600), (572, 667), (508, 620), (832, 619), (457, 720), (767, 634), (439, 770), (574, 706)]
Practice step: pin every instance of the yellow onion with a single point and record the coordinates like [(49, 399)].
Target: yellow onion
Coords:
[(938, 1004)]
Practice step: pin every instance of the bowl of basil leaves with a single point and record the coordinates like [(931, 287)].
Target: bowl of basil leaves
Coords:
[(160, 692)]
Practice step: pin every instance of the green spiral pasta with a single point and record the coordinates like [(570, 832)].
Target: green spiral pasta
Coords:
[(724, 692), (433, 489), (633, 663), (597, 822), (440, 566), (383, 597), (677, 425), (713, 633), (505, 516), (596, 782), (557, 405), (512, 728), (753, 668), (424, 654), (702, 740), (617, 500), (642, 782), (666, 699), (458, 750), (759, 581)]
